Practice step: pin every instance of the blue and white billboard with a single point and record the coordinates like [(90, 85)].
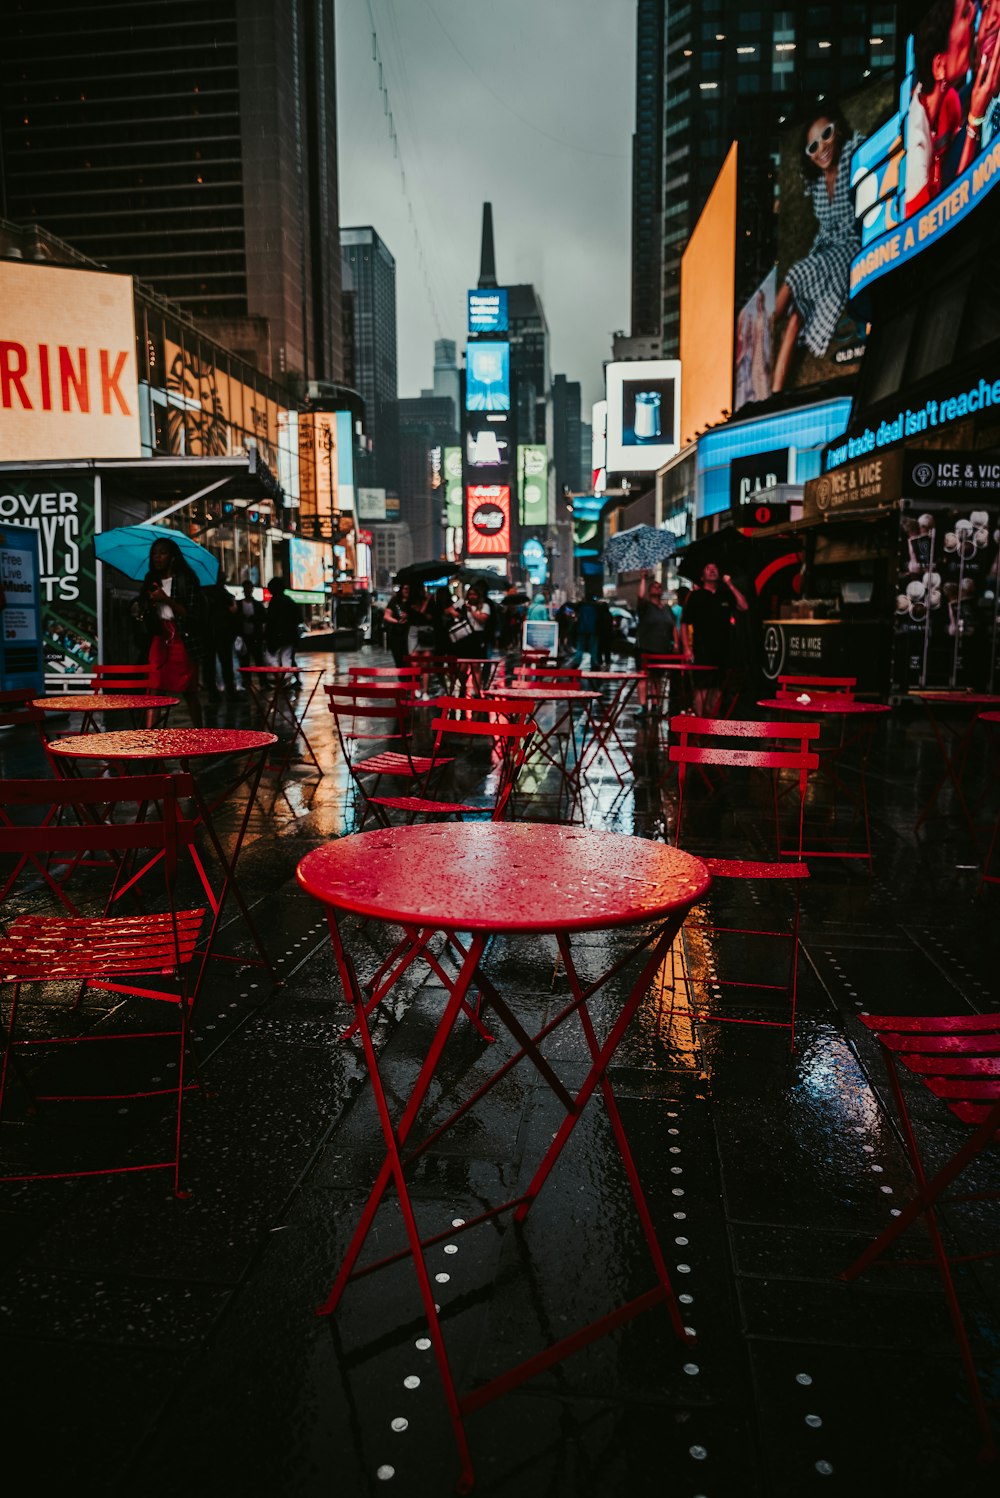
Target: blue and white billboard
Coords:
[(488, 311), (938, 156), (487, 377)]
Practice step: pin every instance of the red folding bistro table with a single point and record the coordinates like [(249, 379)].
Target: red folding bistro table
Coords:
[(91, 704), (188, 747), (556, 741), (607, 715), (470, 881), (863, 717)]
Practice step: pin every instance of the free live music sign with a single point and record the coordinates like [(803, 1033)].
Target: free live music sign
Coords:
[(68, 381)]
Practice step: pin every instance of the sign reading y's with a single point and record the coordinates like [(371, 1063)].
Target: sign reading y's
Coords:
[(68, 385)]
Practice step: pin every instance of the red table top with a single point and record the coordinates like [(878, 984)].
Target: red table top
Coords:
[(551, 694), (993, 717), (162, 743), (613, 675), (283, 670), (99, 702), (503, 876), (676, 666), (957, 699), (831, 703)]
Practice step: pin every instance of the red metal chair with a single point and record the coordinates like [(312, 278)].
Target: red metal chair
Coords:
[(819, 686), (774, 748), (542, 676), (507, 723), (957, 1058), (366, 714), (132, 679), (121, 954)]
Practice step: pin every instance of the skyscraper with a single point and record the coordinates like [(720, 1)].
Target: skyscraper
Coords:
[(193, 145), (730, 73), (373, 278), (566, 448)]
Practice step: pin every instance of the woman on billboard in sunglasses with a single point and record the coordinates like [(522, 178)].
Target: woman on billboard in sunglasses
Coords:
[(814, 292)]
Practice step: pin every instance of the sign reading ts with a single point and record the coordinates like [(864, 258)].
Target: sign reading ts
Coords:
[(488, 527), (68, 385)]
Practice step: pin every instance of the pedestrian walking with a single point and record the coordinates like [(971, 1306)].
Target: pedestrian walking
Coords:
[(172, 607), (250, 627), (281, 625)]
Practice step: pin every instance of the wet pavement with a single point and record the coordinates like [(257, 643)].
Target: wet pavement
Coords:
[(154, 1345)]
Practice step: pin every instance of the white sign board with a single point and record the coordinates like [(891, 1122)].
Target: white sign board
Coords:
[(644, 411)]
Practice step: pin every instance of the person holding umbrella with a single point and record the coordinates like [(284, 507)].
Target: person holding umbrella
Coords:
[(172, 608), (706, 626)]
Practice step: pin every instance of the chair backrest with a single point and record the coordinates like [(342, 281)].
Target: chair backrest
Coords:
[(552, 676), (122, 679), (655, 658), (15, 707), (507, 721), (757, 746), (369, 710), (383, 673), (823, 686)]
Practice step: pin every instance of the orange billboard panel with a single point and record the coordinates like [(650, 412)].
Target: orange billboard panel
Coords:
[(708, 301), (68, 381)]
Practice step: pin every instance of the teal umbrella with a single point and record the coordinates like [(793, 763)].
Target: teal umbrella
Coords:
[(126, 548)]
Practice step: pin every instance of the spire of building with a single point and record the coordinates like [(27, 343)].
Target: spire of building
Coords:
[(487, 259)]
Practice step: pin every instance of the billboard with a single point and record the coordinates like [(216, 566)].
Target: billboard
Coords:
[(708, 296), (318, 463), (68, 380), (748, 477), (643, 414), (754, 345), (599, 445), (533, 484), (308, 565), (62, 509), (487, 377), (488, 528), (938, 156), (211, 414), (817, 335), (371, 504), (488, 311), (487, 444), (452, 463)]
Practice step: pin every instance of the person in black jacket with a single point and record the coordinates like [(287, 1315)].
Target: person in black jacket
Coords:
[(281, 625)]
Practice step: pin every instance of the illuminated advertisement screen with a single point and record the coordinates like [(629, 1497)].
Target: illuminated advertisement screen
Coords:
[(938, 156), (487, 444), (488, 528), (533, 484), (817, 335), (308, 573), (452, 463), (488, 311), (643, 414), (708, 297), (68, 380), (487, 377)]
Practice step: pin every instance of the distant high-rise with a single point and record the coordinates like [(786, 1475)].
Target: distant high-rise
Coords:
[(529, 362), (194, 146), (447, 379), (566, 437), (730, 73), (373, 278), (426, 427)]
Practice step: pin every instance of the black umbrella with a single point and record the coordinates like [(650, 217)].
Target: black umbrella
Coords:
[(481, 575), (426, 572)]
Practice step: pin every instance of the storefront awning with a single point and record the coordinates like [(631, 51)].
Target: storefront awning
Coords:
[(170, 484)]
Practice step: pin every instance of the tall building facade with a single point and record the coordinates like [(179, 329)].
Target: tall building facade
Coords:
[(447, 377), (647, 169), (529, 362), (372, 271), (193, 144), (731, 73), (426, 427), (566, 434)]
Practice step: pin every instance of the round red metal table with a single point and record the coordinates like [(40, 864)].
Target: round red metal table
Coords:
[(92, 703), (934, 701), (185, 745), (270, 691), (467, 882), (607, 715), (557, 740)]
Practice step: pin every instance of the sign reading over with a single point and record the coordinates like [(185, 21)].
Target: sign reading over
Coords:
[(68, 383)]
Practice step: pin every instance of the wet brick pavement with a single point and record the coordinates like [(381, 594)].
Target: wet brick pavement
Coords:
[(157, 1346)]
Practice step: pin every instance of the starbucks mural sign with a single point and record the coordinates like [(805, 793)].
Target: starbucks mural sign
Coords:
[(62, 509)]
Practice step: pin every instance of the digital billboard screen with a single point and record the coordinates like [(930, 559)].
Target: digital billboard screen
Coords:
[(487, 531), (643, 414), (938, 156), (307, 564), (487, 444), (817, 335), (487, 377), (533, 478), (708, 297), (488, 311)]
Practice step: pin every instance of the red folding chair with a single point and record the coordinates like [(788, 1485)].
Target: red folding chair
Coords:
[(546, 676), (957, 1058), (366, 714), (131, 679), (506, 722), (775, 748), (818, 686), (121, 954)]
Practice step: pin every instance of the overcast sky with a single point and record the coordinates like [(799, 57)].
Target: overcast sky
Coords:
[(528, 104)]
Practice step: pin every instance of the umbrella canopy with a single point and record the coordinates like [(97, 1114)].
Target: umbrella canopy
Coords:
[(637, 549), (127, 547), (488, 579), (426, 572)]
